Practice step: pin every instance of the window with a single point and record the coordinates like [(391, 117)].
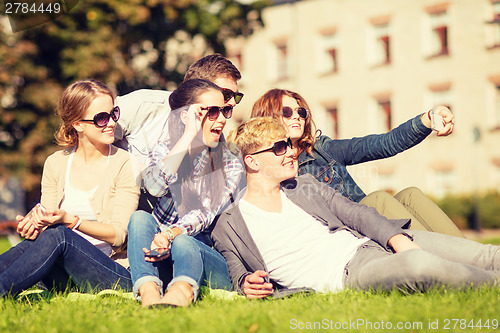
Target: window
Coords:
[(382, 44), (493, 25), (333, 112), (379, 117), (383, 116), (440, 94), (327, 53), (281, 61), (439, 34)]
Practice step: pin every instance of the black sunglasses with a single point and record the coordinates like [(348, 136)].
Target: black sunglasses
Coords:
[(288, 112), (279, 148), (102, 118), (214, 111), (228, 94)]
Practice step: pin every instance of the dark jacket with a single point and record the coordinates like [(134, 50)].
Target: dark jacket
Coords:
[(232, 238), (329, 158)]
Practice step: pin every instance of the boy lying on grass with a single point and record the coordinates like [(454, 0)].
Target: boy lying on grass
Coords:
[(293, 232)]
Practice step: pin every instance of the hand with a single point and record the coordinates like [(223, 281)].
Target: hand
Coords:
[(26, 228), (160, 243), (50, 217), (255, 286), (192, 120), (400, 243), (448, 118)]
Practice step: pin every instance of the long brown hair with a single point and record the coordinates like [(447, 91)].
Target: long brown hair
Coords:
[(74, 102), (271, 104), (214, 176)]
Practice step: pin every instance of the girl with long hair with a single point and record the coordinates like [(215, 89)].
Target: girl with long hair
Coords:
[(326, 159), (89, 192), (194, 175)]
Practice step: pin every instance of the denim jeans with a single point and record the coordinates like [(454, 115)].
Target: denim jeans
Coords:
[(443, 261), (57, 255), (193, 261)]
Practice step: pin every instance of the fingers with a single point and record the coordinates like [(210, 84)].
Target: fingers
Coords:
[(28, 231), (447, 130), (255, 286)]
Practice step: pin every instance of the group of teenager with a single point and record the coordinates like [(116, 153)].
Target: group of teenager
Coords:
[(149, 197)]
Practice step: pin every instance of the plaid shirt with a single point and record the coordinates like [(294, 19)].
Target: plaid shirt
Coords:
[(160, 182)]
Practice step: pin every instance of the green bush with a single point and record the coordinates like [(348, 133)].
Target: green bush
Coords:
[(461, 209)]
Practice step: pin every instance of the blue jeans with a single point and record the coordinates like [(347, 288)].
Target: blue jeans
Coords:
[(443, 261), (57, 255), (193, 261)]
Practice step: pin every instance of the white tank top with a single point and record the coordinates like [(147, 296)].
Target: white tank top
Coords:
[(77, 202)]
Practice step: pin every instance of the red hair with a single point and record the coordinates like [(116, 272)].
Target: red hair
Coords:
[(271, 104)]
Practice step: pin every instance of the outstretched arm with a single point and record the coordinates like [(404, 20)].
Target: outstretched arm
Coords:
[(379, 146)]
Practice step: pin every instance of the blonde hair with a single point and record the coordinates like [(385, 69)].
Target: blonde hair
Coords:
[(255, 133), (74, 102)]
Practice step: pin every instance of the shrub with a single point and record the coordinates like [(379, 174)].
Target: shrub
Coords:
[(461, 208)]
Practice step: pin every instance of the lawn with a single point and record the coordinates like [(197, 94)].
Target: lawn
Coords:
[(351, 311)]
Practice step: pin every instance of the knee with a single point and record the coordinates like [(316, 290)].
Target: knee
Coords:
[(409, 194), (140, 220), (380, 195), (377, 199), (182, 241), (419, 265)]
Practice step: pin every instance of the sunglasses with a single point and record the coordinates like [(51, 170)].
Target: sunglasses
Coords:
[(228, 94), (279, 148), (214, 111), (288, 112), (102, 118)]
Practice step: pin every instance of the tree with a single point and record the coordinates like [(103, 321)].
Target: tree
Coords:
[(128, 44)]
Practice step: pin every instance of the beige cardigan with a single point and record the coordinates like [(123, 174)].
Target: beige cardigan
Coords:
[(115, 198)]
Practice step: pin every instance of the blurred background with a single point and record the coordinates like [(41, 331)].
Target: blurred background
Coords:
[(364, 66)]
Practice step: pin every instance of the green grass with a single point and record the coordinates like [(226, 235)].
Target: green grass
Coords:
[(116, 314), (355, 310)]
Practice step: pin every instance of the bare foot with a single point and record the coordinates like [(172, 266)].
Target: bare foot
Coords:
[(179, 294), (150, 294)]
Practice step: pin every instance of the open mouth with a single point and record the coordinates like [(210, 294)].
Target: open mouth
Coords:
[(216, 131)]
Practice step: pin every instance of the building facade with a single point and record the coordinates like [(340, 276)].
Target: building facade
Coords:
[(366, 66)]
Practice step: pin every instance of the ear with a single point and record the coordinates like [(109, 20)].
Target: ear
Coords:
[(184, 116), (251, 163), (77, 126)]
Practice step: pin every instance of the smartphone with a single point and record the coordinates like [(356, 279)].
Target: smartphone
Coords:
[(156, 254), (43, 209), (283, 293), (437, 122)]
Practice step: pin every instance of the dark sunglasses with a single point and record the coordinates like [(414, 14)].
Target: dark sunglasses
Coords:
[(102, 118), (228, 94), (214, 111), (288, 112), (279, 148)]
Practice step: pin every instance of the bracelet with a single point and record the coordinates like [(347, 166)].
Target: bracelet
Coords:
[(169, 234), (71, 226), (77, 223), (429, 114)]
